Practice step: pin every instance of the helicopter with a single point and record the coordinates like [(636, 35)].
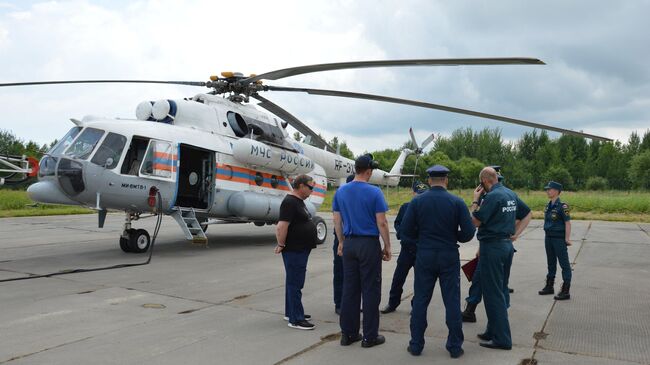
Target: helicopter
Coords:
[(215, 158)]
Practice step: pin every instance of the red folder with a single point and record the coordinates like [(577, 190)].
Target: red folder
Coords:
[(469, 268)]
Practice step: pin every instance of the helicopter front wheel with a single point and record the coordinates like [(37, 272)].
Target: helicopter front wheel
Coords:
[(137, 241)]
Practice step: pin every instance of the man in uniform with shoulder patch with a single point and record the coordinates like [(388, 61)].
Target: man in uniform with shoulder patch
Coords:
[(495, 219), (557, 226), (437, 220), (475, 294)]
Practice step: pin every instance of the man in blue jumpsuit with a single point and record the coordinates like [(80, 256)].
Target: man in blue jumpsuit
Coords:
[(359, 219), (475, 294), (337, 281), (436, 221), (557, 226), (495, 219), (406, 258)]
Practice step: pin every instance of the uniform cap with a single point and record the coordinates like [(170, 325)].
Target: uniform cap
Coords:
[(420, 187), (497, 168), (553, 185), (437, 171)]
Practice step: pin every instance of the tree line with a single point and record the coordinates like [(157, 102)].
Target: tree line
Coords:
[(531, 161), (11, 145), (527, 163)]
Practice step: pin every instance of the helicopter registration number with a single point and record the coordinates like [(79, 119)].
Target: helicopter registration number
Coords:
[(340, 165)]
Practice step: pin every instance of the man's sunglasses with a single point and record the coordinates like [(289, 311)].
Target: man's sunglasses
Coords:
[(311, 187)]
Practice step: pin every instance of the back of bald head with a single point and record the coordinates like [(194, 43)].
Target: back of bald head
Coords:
[(489, 174)]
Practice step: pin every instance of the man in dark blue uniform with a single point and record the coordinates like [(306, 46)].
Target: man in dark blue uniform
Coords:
[(475, 294), (406, 258), (359, 219), (495, 219), (557, 225), (337, 281), (436, 221)]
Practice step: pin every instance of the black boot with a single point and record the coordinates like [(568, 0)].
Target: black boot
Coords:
[(468, 313), (564, 294), (548, 289)]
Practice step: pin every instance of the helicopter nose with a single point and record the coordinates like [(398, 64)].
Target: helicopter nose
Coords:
[(48, 192)]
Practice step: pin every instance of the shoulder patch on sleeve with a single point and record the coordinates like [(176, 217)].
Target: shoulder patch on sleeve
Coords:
[(566, 209)]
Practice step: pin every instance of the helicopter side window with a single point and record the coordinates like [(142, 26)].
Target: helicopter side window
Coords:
[(237, 123), (110, 151), (159, 161), (65, 141), (84, 145)]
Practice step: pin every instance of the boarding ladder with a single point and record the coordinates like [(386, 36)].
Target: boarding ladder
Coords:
[(186, 218)]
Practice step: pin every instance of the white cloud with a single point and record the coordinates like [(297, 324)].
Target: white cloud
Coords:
[(596, 77)]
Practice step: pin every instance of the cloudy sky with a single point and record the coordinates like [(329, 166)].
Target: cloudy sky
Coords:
[(597, 77)]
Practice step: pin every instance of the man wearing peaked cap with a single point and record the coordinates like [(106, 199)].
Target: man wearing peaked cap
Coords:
[(438, 171), (557, 226), (436, 221), (406, 258)]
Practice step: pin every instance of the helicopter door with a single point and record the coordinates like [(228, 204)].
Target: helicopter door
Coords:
[(195, 177)]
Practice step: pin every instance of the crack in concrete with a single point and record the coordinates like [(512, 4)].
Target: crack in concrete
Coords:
[(643, 230), (43, 350), (539, 338), (576, 353), (323, 340)]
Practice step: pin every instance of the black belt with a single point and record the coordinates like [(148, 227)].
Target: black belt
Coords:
[(362, 236)]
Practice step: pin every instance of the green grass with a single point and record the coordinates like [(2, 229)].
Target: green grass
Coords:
[(16, 203), (621, 206), (617, 206)]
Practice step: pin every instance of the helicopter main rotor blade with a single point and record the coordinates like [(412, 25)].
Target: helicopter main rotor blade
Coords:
[(301, 127), (300, 70), (388, 99), (188, 83)]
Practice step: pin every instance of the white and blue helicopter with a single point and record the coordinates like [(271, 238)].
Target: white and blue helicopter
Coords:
[(215, 158)]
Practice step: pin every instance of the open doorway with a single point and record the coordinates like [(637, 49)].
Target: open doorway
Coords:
[(195, 177)]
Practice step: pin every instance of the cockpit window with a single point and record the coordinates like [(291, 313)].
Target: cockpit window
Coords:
[(85, 144), (110, 151), (65, 141)]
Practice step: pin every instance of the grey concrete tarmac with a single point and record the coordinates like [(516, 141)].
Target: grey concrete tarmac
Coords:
[(223, 304)]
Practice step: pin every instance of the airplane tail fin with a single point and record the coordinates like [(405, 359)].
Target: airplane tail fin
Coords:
[(396, 170)]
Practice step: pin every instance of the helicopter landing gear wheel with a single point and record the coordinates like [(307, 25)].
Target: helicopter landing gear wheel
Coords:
[(321, 230), (139, 241), (124, 243)]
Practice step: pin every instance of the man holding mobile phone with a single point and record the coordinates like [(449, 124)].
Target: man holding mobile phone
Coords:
[(475, 294), (495, 218)]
